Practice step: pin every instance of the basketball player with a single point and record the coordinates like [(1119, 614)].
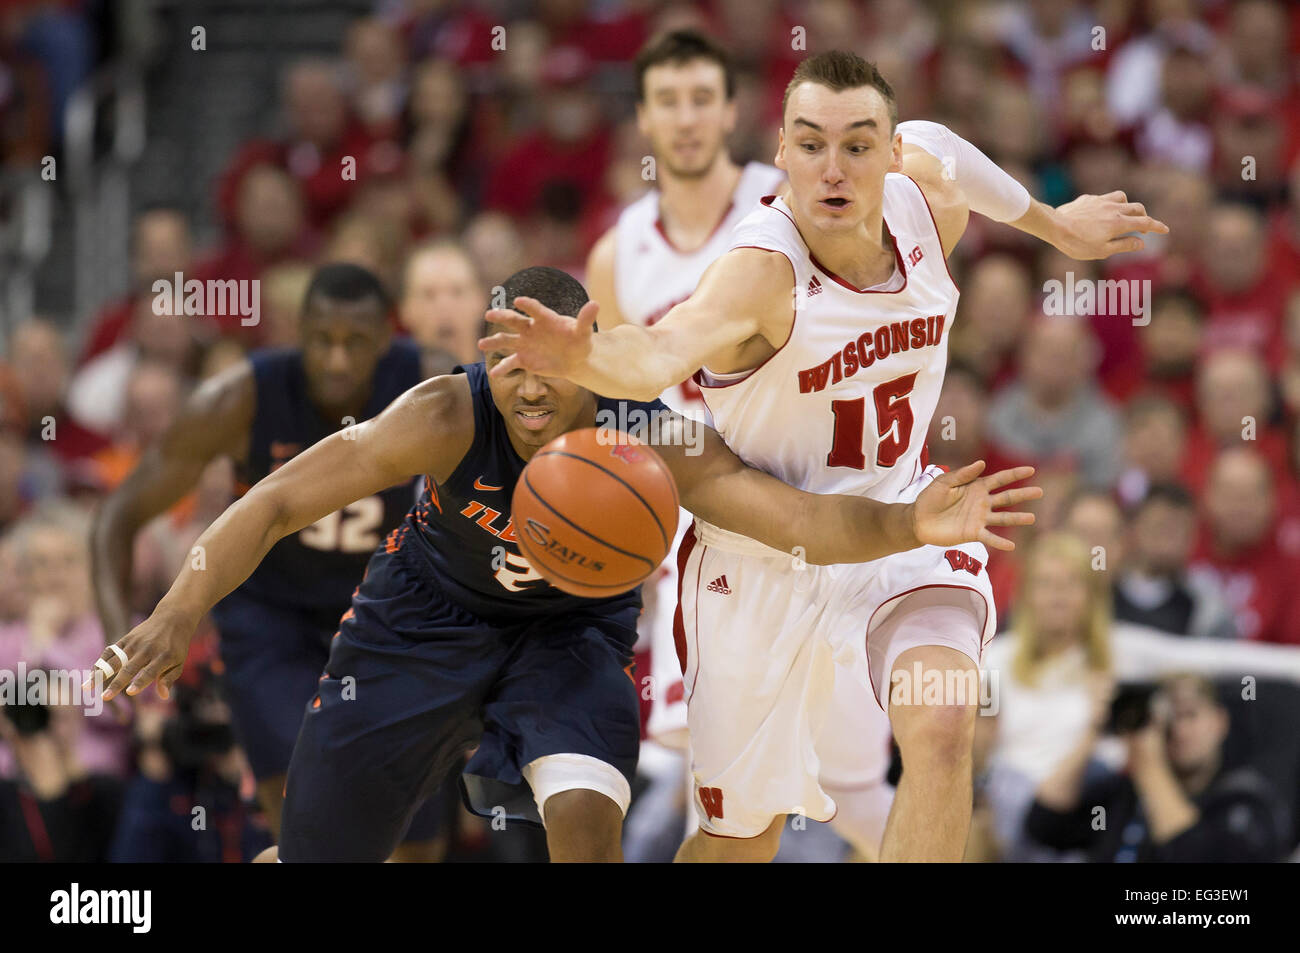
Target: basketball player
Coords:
[(650, 261), (453, 640), (275, 629), (820, 342)]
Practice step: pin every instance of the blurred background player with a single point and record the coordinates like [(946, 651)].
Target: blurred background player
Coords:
[(276, 628), (650, 261)]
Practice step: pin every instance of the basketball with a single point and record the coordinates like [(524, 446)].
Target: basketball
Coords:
[(595, 517)]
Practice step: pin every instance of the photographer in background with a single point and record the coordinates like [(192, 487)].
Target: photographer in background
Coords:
[(189, 803), (52, 811), (1176, 802)]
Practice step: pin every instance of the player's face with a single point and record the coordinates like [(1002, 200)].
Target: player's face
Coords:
[(341, 344), (835, 148), (686, 115), (538, 409)]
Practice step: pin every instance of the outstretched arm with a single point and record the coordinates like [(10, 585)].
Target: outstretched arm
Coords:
[(214, 421), (427, 430), (719, 487), (953, 173), (744, 296)]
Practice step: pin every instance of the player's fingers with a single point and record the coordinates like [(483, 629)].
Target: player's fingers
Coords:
[(168, 679), (994, 541), (1021, 494), (1117, 246), (510, 320), (1144, 223), (505, 366), (124, 676), (144, 678), (1116, 196), (501, 341), (1009, 518), (965, 474), (995, 481), (535, 309), (587, 316)]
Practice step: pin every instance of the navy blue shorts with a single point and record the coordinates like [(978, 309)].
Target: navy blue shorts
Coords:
[(273, 658), (414, 682)]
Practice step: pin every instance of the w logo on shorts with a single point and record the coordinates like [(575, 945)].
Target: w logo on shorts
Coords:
[(719, 585), (711, 798), (959, 560)]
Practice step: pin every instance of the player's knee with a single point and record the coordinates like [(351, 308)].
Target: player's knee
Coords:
[(583, 825), (938, 733)]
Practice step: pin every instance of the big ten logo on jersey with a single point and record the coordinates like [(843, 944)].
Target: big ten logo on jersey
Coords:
[(353, 529)]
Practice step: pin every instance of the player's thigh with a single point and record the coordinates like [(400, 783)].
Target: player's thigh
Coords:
[(759, 678), (396, 709), (563, 714)]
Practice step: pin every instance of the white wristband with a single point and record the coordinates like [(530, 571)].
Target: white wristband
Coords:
[(989, 190)]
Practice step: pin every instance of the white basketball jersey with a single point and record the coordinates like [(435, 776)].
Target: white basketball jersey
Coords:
[(651, 276), (844, 406)]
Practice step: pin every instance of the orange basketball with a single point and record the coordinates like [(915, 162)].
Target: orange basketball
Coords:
[(595, 517)]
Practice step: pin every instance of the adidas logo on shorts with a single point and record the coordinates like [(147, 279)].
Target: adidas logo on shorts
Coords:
[(719, 585)]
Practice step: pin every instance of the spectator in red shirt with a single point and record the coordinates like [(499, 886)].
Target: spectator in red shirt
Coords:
[(992, 317), (1244, 301), (376, 77), (268, 229), (160, 247), (321, 136), (571, 146), (1239, 548), (1234, 406), (39, 360), (1167, 351), (1155, 443), (1284, 233)]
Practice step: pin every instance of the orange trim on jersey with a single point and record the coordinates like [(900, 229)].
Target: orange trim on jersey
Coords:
[(433, 492)]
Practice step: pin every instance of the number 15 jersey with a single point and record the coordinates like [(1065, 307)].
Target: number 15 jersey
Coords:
[(844, 405)]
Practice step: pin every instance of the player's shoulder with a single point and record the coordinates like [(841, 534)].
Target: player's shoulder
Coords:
[(443, 400)]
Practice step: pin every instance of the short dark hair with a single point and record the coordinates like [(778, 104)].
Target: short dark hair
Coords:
[(346, 282), (558, 290), (679, 47), (838, 70)]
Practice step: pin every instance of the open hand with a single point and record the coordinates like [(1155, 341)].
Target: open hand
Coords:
[(540, 340), (959, 507)]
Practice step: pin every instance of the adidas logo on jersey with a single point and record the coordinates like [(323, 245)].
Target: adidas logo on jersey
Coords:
[(720, 585), (814, 287)]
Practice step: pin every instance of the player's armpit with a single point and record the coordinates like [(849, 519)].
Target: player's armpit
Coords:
[(947, 201)]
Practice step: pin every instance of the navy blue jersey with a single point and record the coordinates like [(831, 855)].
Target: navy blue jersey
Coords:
[(463, 529), (319, 566)]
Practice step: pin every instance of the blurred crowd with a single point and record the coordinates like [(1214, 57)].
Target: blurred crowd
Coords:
[(451, 142)]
